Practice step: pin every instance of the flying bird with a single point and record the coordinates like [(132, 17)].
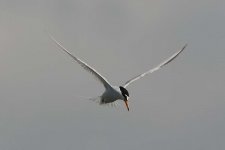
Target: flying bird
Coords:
[(113, 93)]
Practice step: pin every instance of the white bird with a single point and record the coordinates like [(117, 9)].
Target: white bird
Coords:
[(113, 93)]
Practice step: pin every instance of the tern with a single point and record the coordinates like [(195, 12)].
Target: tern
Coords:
[(113, 93)]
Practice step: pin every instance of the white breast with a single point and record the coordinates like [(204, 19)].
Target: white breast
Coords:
[(111, 95)]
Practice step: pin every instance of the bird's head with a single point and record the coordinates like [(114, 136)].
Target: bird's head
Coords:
[(125, 94)]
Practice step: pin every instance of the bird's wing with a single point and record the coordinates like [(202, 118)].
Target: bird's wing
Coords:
[(156, 68), (83, 64)]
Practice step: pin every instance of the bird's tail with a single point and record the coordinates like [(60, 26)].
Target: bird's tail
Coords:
[(99, 101)]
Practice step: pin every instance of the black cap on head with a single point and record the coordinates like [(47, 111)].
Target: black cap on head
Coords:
[(124, 91)]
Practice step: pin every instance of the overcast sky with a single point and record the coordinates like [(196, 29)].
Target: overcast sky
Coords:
[(44, 94)]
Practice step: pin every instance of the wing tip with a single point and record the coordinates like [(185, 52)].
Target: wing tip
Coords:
[(184, 46), (181, 50)]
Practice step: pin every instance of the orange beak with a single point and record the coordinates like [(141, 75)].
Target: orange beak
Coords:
[(126, 104)]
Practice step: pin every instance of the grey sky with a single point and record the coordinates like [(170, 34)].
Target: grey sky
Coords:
[(42, 91)]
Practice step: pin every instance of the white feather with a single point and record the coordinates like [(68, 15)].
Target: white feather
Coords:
[(165, 62), (83, 64)]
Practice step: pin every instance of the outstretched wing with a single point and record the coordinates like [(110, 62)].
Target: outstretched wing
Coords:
[(156, 68), (83, 64)]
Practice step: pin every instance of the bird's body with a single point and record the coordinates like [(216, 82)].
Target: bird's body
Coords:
[(113, 93)]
